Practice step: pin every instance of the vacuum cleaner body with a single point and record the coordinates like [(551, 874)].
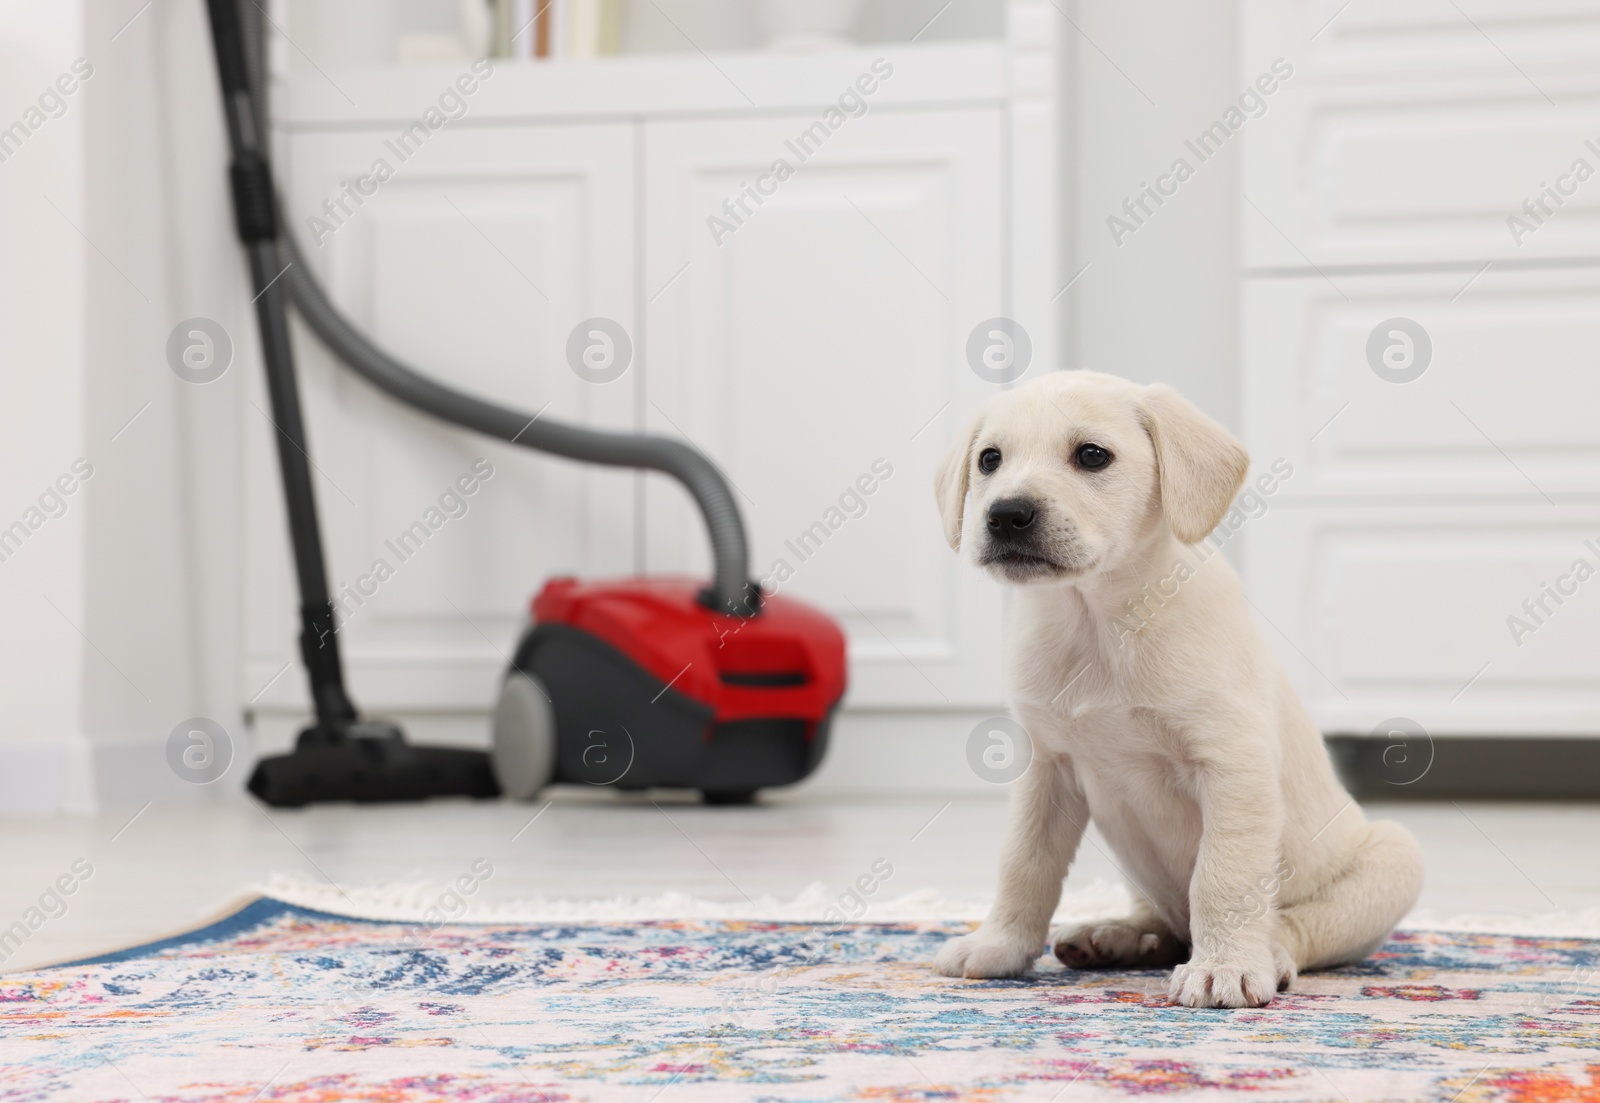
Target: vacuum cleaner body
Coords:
[(644, 685)]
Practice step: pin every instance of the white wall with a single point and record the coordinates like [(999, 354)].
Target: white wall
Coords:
[(141, 567), (1140, 77), (42, 311), (163, 543)]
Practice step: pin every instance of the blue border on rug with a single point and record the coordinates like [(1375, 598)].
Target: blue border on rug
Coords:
[(261, 910)]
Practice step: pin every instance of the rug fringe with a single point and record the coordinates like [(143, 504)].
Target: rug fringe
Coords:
[(1561, 924), (412, 901), (422, 901)]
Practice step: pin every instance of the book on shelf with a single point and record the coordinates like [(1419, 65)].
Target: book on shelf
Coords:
[(557, 30)]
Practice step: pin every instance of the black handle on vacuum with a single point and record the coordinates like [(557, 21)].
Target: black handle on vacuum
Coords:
[(256, 220)]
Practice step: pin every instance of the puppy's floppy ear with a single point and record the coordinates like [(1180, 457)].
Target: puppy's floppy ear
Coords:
[(1199, 463), (950, 481)]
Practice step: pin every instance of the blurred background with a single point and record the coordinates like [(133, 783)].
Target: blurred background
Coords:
[(1361, 235)]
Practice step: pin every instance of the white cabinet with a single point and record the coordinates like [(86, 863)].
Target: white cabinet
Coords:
[(1394, 567), (815, 350)]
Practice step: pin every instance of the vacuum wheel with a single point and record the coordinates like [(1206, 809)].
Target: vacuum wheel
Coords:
[(524, 754)]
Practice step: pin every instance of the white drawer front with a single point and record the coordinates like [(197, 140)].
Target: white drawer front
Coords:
[(1345, 41), (1477, 620), (1505, 407), (1376, 173)]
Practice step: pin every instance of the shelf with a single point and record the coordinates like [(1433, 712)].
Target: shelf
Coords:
[(625, 87)]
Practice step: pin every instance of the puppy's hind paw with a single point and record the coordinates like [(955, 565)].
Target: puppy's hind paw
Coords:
[(1113, 945), (1283, 962), (984, 956)]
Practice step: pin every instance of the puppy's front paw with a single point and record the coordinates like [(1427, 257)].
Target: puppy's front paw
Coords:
[(1244, 982), (985, 956)]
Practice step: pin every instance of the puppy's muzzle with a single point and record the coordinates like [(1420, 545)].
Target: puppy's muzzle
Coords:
[(1021, 542)]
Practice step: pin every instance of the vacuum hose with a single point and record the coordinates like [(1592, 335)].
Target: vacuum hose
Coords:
[(731, 591)]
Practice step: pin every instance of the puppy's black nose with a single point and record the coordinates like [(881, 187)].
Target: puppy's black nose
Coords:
[(1009, 517)]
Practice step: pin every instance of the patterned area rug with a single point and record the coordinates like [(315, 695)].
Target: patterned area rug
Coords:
[(280, 1003)]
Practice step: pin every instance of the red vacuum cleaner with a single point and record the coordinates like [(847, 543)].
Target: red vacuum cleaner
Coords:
[(637, 683), (632, 684)]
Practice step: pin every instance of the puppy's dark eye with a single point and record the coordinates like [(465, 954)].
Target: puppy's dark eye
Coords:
[(988, 460), (1092, 457)]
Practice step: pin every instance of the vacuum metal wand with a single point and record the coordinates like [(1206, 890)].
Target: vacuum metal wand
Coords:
[(341, 756), (319, 641), (256, 220)]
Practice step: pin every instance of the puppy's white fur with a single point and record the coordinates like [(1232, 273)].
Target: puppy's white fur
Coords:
[(1156, 709)]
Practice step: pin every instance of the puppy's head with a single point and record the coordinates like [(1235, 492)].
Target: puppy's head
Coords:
[(1069, 474)]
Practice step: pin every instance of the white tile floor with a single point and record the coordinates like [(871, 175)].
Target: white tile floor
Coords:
[(177, 863)]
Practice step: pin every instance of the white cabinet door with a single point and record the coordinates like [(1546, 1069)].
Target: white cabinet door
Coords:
[(473, 261), (817, 343)]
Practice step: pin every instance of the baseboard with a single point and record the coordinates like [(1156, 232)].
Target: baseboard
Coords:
[(78, 775), (46, 777), (132, 771), (1468, 767), (902, 753)]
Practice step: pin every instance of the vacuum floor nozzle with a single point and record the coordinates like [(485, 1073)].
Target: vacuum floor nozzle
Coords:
[(369, 762)]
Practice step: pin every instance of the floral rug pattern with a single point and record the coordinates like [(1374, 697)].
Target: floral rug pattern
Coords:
[(282, 1004)]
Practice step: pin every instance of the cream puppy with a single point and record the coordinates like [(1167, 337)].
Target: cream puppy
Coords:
[(1155, 710)]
